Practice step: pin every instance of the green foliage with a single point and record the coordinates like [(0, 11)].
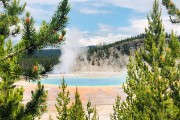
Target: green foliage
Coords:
[(91, 110), (11, 106), (117, 109), (10, 17), (95, 114), (152, 83), (172, 10), (62, 102), (46, 59), (174, 45), (29, 33), (59, 19), (37, 106), (74, 111)]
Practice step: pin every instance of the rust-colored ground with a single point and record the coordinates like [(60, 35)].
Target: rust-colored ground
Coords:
[(102, 97)]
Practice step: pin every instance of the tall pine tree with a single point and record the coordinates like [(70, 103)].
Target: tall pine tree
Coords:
[(11, 106), (153, 77), (77, 111), (63, 101)]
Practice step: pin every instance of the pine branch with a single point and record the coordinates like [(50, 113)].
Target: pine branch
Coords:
[(48, 32), (5, 4), (13, 54), (172, 11), (174, 20)]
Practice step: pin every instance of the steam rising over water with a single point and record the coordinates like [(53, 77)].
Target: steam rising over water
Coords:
[(70, 51)]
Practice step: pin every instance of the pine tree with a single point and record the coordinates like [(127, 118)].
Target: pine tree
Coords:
[(11, 106), (95, 114), (89, 110), (153, 77), (77, 111), (62, 102), (172, 10), (29, 33), (116, 109)]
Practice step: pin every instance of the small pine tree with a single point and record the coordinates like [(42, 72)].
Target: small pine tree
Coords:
[(95, 114), (62, 102), (77, 111), (153, 77), (89, 110), (116, 109)]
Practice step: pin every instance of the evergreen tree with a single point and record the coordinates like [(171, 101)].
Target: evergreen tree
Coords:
[(62, 102), (11, 106), (117, 109), (89, 110), (153, 77), (77, 111), (95, 114)]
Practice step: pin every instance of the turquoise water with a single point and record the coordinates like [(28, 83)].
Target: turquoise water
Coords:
[(86, 81)]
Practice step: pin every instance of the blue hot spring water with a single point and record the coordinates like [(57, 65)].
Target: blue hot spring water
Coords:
[(86, 81)]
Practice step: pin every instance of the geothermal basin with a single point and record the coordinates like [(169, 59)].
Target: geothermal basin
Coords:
[(85, 80), (101, 88)]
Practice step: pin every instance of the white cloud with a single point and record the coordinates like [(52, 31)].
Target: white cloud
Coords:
[(40, 2), (169, 26), (78, 1), (97, 40), (104, 28), (97, 4), (137, 5), (87, 38), (137, 26), (39, 14), (93, 11)]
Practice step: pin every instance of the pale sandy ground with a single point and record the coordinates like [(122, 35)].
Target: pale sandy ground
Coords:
[(102, 97)]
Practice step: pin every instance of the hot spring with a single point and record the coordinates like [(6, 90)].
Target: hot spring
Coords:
[(86, 81)]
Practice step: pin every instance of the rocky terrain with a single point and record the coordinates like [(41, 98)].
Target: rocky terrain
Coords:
[(108, 58)]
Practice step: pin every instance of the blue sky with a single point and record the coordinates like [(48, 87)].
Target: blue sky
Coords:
[(100, 21)]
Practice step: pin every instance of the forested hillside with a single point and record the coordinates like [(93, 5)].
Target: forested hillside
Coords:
[(47, 58), (110, 57), (107, 57)]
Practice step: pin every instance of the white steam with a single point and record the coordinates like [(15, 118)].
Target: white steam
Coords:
[(70, 51)]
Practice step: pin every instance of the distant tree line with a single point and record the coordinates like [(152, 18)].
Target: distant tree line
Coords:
[(46, 58), (102, 51)]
